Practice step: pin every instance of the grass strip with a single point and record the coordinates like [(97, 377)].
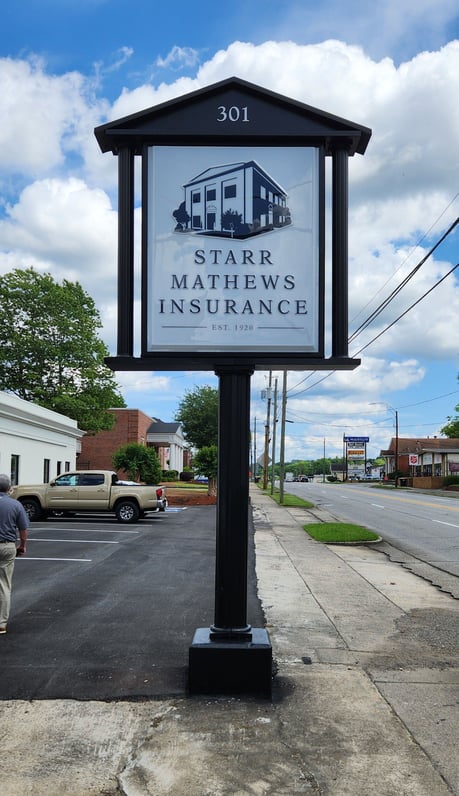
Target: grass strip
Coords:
[(339, 532), (289, 500)]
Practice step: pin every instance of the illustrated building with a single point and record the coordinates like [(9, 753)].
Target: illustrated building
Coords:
[(236, 199)]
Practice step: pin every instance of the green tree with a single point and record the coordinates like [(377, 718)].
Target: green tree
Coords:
[(451, 428), (139, 462), (205, 462), (50, 351), (198, 414)]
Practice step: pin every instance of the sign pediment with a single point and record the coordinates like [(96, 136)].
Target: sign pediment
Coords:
[(233, 110)]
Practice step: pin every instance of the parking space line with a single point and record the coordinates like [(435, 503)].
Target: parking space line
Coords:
[(74, 541), (31, 558), (79, 530)]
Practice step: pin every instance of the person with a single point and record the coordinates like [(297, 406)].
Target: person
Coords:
[(13, 518)]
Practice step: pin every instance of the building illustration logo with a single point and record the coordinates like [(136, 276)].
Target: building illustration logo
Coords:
[(235, 200)]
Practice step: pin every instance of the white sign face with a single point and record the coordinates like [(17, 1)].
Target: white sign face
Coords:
[(232, 249)]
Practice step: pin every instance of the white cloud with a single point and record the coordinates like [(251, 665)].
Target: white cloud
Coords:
[(67, 229), (179, 58)]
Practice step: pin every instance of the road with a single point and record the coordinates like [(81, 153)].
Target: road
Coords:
[(425, 526)]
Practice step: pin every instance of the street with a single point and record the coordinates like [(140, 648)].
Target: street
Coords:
[(425, 526)]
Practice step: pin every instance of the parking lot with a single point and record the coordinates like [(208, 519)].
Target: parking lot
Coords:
[(102, 610)]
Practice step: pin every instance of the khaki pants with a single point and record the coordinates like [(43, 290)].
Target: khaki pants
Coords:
[(7, 559)]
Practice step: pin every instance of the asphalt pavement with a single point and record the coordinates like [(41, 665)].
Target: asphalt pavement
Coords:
[(365, 690)]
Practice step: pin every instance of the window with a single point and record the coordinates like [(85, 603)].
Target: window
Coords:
[(230, 191), (92, 479), (197, 224), (211, 194), (14, 469), (196, 197), (59, 468), (67, 466), (67, 480), (46, 470)]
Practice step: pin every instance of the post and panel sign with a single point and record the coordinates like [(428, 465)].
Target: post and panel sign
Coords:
[(233, 220), (356, 454)]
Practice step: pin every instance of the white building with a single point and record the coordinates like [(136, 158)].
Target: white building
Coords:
[(36, 444)]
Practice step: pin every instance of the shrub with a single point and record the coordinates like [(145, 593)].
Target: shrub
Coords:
[(170, 475), (451, 480)]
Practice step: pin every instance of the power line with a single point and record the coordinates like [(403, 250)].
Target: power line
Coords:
[(415, 303), (402, 284), (407, 256)]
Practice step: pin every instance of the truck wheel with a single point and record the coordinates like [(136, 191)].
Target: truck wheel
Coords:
[(32, 508), (127, 511)]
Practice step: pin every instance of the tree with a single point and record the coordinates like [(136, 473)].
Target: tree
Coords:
[(139, 462), (205, 462), (451, 429), (198, 414), (50, 351)]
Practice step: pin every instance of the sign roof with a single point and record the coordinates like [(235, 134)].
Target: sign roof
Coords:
[(273, 119)]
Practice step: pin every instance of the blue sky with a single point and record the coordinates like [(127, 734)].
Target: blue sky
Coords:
[(69, 65)]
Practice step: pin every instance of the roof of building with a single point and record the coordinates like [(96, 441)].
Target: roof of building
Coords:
[(422, 445), (159, 427)]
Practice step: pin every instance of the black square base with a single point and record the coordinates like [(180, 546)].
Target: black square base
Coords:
[(227, 666)]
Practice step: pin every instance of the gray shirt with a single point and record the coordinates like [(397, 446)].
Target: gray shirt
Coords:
[(13, 518)]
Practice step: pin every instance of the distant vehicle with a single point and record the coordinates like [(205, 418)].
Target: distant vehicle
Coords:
[(91, 491), (301, 478)]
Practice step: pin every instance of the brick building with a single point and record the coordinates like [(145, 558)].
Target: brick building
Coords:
[(132, 425), (425, 460)]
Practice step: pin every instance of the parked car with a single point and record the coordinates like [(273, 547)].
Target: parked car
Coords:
[(91, 491)]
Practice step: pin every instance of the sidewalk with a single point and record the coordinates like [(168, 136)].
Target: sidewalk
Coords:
[(365, 698)]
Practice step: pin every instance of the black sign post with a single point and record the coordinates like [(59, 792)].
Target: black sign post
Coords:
[(233, 263)]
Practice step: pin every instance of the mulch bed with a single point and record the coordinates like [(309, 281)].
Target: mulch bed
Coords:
[(186, 497)]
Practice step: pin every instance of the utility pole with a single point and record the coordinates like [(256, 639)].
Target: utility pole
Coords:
[(266, 453), (396, 448), (273, 449), (254, 448), (282, 442)]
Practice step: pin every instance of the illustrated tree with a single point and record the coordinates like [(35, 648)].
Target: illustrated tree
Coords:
[(205, 462), (139, 462), (50, 351), (182, 217), (198, 414)]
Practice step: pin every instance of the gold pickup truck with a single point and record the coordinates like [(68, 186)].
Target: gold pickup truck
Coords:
[(91, 491)]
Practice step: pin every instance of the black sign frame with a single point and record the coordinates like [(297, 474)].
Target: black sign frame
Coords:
[(196, 120)]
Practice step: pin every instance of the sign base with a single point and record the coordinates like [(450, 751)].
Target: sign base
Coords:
[(230, 665)]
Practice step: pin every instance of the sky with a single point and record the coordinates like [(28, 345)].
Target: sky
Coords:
[(67, 66)]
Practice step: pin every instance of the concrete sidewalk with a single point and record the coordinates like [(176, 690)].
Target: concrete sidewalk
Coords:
[(365, 699)]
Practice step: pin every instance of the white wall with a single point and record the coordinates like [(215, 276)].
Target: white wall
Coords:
[(34, 434)]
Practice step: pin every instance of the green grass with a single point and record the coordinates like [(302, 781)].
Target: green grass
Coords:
[(185, 485), (339, 532), (289, 500)]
